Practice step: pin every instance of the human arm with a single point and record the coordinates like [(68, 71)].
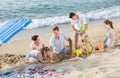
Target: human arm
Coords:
[(52, 44), (70, 43), (33, 46), (105, 39), (69, 40)]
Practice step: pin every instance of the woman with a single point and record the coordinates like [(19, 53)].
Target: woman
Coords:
[(38, 44), (110, 36)]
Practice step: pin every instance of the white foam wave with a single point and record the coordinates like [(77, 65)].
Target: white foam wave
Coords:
[(93, 15)]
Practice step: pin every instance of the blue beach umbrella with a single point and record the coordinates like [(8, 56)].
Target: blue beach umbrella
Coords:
[(10, 29)]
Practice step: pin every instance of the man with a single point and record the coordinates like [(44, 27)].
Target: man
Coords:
[(57, 45), (77, 22)]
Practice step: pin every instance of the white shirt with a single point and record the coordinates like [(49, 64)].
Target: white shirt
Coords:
[(58, 44), (78, 23)]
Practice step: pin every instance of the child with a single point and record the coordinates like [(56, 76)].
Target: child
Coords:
[(87, 47), (46, 53), (79, 25)]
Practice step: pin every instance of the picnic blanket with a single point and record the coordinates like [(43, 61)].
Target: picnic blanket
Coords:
[(34, 72)]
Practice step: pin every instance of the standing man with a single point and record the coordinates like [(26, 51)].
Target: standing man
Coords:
[(57, 45), (79, 25)]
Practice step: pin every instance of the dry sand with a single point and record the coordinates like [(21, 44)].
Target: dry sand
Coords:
[(99, 65)]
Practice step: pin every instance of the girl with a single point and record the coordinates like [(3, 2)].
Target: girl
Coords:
[(110, 36)]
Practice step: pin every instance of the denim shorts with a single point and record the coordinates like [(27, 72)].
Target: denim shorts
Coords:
[(105, 45), (63, 51)]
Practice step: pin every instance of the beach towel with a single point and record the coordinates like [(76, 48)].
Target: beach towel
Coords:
[(34, 72)]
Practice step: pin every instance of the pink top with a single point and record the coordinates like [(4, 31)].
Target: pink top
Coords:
[(37, 47)]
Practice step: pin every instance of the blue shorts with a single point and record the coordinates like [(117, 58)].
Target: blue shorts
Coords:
[(105, 45), (63, 51)]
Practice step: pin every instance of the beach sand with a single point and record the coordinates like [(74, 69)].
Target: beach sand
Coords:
[(98, 65)]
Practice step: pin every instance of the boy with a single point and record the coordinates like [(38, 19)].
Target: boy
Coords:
[(77, 23)]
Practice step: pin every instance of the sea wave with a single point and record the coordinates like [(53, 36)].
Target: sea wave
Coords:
[(92, 15)]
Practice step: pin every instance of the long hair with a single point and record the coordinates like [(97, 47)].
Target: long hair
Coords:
[(109, 22)]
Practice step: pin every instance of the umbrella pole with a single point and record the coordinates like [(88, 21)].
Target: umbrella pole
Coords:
[(17, 53)]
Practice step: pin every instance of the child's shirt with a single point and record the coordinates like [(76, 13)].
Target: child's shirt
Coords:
[(88, 46), (78, 23)]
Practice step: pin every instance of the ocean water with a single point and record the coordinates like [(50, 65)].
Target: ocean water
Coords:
[(51, 12)]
